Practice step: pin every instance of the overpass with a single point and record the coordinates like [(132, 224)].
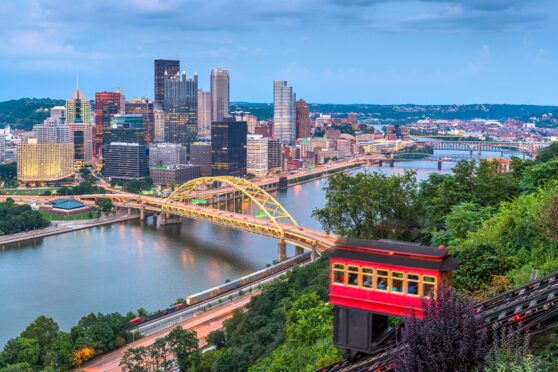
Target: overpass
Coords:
[(230, 202)]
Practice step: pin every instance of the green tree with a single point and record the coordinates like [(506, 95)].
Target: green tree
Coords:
[(105, 204), (548, 153), (370, 206), (45, 331), (463, 219), (217, 338), (22, 350), (135, 360), (184, 346), (540, 176)]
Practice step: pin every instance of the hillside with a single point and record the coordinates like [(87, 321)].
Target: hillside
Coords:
[(25, 112)]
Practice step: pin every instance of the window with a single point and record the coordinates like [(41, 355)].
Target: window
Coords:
[(397, 280), (412, 284), (382, 280), (352, 276), (339, 273), (367, 277), (428, 286)]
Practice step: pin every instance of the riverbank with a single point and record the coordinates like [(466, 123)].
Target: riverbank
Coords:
[(62, 227)]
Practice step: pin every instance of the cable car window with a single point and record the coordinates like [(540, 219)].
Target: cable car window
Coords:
[(339, 273), (397, 282), (367, 277), (412, 284), (352, 276), (428, 286), (382, 280)]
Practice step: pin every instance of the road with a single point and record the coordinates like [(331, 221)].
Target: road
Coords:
[(203, 324)]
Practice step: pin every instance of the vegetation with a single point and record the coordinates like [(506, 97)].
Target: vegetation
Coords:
[(83, 188), (60, 217), (25, 112), (16, 218), (8, 174), (134, 186), (104, 204), (42, 345)]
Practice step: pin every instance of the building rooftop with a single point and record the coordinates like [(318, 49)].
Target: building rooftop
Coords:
[(67, 204)]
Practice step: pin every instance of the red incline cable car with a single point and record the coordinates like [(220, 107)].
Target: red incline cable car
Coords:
[(372, 279)]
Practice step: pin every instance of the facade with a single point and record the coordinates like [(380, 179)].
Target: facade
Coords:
[(284, 112), (144, 107), (159, 125), (124, 128), (51, 132), (228, 148), (125, 160), (78, 108), (303, 123), (2, 148), (250, 120), (220, 92), (174, 174), (257, 154), (45, 162), (274, 155), (181, 108), (165, 154), (204, 113), (107, 104), (162, 67), (200, 154), (58, 114), (82, 136)]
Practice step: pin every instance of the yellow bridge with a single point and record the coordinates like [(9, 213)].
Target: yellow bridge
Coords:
[(231, 202)]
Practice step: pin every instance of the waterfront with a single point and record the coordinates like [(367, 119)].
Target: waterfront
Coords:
[(125, 266)]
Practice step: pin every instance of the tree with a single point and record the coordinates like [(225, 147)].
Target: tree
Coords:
[(463, 219), (370, 206), (22, 350), (134, 360), (447, 338), (82, 354), (548, 153), (548, 214), (105, 204), (184, 346), (217, 338), (540, 176), (45, 331)]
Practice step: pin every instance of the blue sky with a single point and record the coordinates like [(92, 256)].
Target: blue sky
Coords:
[(331, 51)]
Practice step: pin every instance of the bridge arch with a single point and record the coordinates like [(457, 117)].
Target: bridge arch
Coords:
[(266, 203)]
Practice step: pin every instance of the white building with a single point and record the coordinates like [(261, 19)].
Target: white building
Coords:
[(159, 124), (284, 112), (257, 154), (204, 113)]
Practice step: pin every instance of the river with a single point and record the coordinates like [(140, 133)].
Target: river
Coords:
[(125, 266)]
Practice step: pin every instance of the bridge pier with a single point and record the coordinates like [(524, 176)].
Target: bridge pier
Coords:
[(392, 163), (381, 163), (313, 254), (439, 165), (471, 152), (282, 250), (298, 250), (142, 213)]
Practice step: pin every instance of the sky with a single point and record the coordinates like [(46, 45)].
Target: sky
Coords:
[(330, 51)]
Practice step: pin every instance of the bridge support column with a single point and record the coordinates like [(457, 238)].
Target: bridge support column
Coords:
[(381, 163), (313, 254), (299, 250), (501, 154), (142, 213), (281, 250), (471, 153), (392, 163), (439, 165)]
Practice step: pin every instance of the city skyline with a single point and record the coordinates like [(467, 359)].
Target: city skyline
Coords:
[(494, 51)]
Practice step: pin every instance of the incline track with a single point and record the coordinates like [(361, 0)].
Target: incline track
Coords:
[(530, 308)]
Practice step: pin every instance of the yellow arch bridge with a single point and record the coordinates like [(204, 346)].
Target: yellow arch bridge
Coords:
[(231, 202)]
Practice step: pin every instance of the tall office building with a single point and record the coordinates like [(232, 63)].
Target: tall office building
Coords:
[(159, 125), (44, 162), (274, 155), (82, 136), (51, 132), (220, 93), (58, 114), (126, 128), (107, 104), (303, 123), (257, 154), (181, 108), (162, 67), (200, 154), (125, 160), (204, 113), (284, 112), (228, 148), (144, 107), (78, 108), (164, 154)]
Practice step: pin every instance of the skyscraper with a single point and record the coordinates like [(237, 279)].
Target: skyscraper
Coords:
[(78, 108), (82, 136), (228, 148), (107, 104), (257, 154), (219, 94), (181, 108), (163, 66), (204, 113), (284, 112), (125, 160), (144, 107), (303, 123), (46, 162), (126, 128)]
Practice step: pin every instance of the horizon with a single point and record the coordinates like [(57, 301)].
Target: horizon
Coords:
[(429, 52)]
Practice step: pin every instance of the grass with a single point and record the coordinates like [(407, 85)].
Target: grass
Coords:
[(59, 217), (30, 192)]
